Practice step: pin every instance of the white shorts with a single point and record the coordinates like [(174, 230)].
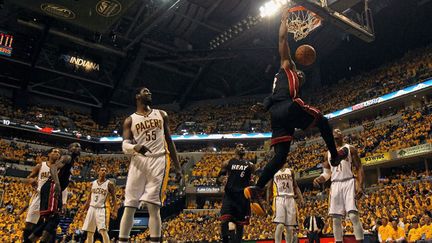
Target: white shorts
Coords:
[(342, 197), (33, 212), (96, 217), (147, 180), (285, 211)]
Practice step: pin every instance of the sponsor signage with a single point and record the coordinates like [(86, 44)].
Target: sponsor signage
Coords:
[(424, 148), (375, 158), (6, 41), (57, 10), (206, 189), (387, 97), (80, 63)]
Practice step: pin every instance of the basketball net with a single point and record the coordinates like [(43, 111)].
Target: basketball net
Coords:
[(301, 22)]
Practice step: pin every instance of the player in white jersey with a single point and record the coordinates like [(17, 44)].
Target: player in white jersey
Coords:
[(147, 138), (345, 188), (96, 206), (285, 189), (40, 174)]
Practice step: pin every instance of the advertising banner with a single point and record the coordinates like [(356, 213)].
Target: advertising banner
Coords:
[(375, 158), (402, 153)]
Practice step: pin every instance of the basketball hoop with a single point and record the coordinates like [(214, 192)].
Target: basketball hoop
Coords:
[(301, 22)]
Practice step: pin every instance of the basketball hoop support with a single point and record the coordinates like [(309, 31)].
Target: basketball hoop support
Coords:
[(364, 33)]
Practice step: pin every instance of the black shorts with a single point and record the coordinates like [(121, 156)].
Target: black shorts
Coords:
[(49, 202), (288, 115), (235, 208)]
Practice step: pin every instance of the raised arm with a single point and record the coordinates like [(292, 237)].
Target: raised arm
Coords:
[(358, 171), (284, 50), (112, 192), (171, 147)]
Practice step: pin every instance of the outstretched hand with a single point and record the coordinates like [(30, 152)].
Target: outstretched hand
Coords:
[(258, 108)]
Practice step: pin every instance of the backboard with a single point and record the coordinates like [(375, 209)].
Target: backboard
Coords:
[(332, 11)]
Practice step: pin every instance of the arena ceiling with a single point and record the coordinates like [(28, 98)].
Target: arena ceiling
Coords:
[(164, 45)]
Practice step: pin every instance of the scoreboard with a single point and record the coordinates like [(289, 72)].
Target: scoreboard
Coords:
[(6, 41)]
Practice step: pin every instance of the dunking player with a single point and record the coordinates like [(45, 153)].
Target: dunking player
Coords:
[(235, 210), (285, 189), (147, 138), (288, 112), (96, 202), (40, 174), (344, 189), (51, 196)]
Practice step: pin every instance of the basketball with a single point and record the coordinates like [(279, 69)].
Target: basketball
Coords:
[(305, 55)]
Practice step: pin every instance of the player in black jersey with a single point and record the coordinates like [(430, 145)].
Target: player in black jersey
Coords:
[(288, 112), (235, 210), (52, 192)]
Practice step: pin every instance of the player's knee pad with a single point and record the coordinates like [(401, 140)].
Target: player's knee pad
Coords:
[(337, 228), (357, 226)]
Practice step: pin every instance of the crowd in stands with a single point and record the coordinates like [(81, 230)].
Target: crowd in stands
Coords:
[(414, 67)]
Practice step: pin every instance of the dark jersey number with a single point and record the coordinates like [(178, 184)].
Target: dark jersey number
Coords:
[(285, 185), (150, 136)]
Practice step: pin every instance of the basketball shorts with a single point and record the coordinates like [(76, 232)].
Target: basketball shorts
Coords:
[(235, 208), (342, 197), (147, 180), (96, 217), (285, 211), (33, 214), (49, 202), (288, 115)]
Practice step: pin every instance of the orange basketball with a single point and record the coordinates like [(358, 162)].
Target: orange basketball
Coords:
[(305, 55)]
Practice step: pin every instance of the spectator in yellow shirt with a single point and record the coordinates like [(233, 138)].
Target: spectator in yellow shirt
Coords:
[(383, 230), (414, 233), (395, 233)]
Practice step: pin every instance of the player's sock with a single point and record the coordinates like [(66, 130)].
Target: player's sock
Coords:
[(357, 226), (155, 222), (239, 233), (126, 224), (275, 164), (105, 236), (224, 232), (90, 237), (278, 233), (289, 234), (337, 229), (327, 135)]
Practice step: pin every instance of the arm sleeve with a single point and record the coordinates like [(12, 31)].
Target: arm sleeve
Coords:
[(128, 147)]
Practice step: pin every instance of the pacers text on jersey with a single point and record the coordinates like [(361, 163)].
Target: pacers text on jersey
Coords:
[(148, 124)]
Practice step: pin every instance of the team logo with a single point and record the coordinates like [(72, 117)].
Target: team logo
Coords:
[(57, 10), (108, 8)]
